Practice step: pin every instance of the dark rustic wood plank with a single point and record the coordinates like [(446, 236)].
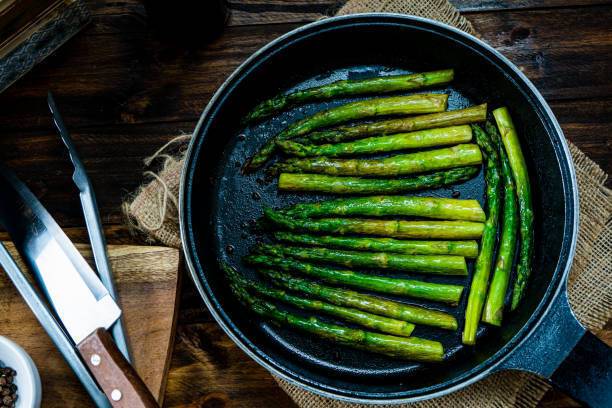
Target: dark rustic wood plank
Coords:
[(280, 11), (208, 370), (289, 11), (132, 78), (588, 124), (113, 157), (129, 78), (249, 12), (563, 62), (116, 234), (498, 5)]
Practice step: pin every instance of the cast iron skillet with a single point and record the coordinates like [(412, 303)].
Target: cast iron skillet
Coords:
[(218, 206)]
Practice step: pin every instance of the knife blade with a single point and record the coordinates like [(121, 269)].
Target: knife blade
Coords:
[(92, 220), (49, 322), (78, 297)]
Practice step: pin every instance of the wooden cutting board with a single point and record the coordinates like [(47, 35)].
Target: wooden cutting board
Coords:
[(147, 279)]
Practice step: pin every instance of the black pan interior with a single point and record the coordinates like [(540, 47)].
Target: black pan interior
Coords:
[(221, 204)]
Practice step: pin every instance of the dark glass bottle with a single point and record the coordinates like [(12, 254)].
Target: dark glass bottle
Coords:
[(187, 21)]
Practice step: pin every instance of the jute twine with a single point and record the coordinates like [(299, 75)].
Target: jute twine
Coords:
[(152, 209)]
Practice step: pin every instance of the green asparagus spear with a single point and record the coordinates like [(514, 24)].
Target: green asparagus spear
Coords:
[(482, 269), (381, 206), (397, 105), (361, 301), (339, 89), (386, 228), (494, 306), (523, 192), (391, 126), (438, 292), (435, 264), (357, 185), (468, 249), (381, 144), (411, 348), (359, 317), (398, 165)]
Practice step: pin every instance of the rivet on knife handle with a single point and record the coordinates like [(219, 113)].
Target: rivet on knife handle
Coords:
[(119, 381)]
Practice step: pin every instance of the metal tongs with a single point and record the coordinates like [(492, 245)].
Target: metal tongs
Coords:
[(92, 221), (83, 304)]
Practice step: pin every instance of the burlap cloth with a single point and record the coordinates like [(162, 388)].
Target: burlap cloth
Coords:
[(153, 211)]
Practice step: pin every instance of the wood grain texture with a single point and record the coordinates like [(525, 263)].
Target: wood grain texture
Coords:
[(291, 11), (124, 92), (564, 62), (147, 283), (466, 6), (261, 12), (135, 78), (208, 370), (247, 12)]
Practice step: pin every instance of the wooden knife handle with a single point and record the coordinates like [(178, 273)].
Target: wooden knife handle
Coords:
[(117, 378)]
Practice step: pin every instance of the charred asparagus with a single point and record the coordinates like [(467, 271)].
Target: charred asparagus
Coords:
[(397, 165), (482, 270), (523, 192), (368, 303), (381, 144), (386, 228), (411, 348), (468, 249), (391, 126), (438, 292), (357, 185), (397, 105), (382, 206), (494, 306), (339, 89), (435, 264), (359, 317)]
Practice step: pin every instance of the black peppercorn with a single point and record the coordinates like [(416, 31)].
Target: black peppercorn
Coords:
[(8, 390)]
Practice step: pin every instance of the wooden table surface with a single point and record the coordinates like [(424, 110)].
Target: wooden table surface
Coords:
[(124, 93)]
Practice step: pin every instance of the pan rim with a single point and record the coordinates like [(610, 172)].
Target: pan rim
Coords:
[(557, 284)]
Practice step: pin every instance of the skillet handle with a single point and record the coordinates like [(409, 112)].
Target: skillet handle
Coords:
[(567, 355), (586, 373)]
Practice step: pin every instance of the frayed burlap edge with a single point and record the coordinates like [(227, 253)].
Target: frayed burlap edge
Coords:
[(152, 210), (440, 10)]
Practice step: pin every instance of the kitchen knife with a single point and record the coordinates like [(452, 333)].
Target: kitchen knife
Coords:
[(75, 292), (48, 321), (92, 220)]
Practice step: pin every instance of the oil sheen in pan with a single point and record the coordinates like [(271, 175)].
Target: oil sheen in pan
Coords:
[(241, 198)]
